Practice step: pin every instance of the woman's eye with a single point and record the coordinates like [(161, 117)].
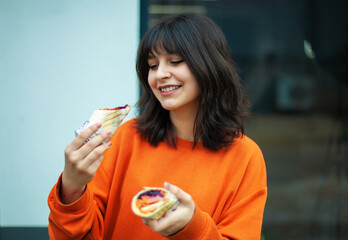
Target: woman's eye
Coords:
[(177, 62), (153, 66)]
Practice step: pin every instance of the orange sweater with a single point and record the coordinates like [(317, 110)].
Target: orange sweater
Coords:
[(228, 188)]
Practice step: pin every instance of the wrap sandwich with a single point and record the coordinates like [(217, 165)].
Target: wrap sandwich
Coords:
[(110, 118), (153, 202)]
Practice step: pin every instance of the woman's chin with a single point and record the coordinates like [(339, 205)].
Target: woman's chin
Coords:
[(168, 107)]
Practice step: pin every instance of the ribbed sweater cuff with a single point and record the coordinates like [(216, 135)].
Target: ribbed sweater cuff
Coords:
[(74, 207), (195, 229)]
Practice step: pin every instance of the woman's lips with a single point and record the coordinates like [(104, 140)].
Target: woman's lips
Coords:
[(167, 90)]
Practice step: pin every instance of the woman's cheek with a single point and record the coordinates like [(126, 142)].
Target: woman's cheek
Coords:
[(152, 84)]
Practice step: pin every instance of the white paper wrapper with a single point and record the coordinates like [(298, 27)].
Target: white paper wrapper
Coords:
[(110, 118)]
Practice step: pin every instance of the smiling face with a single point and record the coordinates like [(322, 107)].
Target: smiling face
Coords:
[(172, 82)]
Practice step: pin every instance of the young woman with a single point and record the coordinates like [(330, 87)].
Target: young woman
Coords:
[(189, 136)]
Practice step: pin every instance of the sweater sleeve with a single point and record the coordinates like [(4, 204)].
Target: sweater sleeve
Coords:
[(243, 214), (82, 219), (239, 224)]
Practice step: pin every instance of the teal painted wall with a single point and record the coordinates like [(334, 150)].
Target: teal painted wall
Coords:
[(59, 60)]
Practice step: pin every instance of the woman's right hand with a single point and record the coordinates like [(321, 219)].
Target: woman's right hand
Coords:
[(81, 162)]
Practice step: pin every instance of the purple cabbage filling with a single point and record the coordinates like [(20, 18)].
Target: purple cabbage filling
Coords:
[(122, 107), (151, 193)]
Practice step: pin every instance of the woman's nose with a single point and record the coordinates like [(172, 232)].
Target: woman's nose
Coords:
[(163, 72)]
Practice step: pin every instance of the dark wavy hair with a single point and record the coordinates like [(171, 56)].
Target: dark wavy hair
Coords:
[(222, 103)]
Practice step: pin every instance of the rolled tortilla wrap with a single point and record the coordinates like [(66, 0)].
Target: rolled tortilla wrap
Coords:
[(153, 202)]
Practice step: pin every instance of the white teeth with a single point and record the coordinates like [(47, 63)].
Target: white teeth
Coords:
[(169, 88)]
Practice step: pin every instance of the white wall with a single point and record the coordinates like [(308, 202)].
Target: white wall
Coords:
[(59, 60)]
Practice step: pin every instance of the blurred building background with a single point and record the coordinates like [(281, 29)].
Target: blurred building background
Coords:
[(292, 56)]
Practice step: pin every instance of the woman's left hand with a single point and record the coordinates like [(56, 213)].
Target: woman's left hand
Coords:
[(174, 221)]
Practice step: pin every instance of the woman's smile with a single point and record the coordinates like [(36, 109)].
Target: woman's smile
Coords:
[(168, 90)]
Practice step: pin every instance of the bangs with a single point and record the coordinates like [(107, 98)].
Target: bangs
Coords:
[(162, 39)]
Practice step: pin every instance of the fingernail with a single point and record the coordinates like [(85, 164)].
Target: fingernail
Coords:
[(109, 144), (167, 185), (97, 125), (108, 132)]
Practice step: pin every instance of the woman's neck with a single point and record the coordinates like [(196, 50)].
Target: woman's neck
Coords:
[(183, 122)]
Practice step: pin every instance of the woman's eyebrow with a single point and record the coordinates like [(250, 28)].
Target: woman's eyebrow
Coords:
[(151, 56)]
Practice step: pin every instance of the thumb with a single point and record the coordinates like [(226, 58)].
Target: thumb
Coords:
[(183, 197)]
